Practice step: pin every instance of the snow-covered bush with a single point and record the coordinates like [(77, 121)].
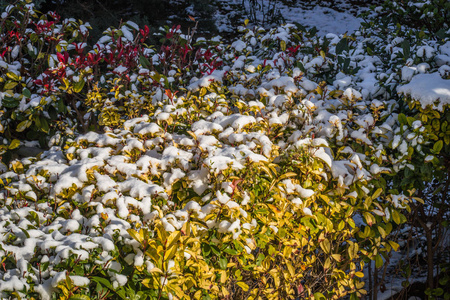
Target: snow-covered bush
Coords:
[(52, 82), (272, 167), (415, 58), (429, 16), (28, 46), (209, 193)]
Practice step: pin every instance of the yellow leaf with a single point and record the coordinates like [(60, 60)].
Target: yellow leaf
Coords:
[(327, 264), (419, 200), (326, 246), (276, 277), (192, 134), (173, 238), (243, 285), (153, 254), (377, 193), (287, 175), (274, 208), (322, 53), (382, 232), (337, 257), (396, 216), (287, 251), (223, 276), (359, 274), (353, 249), (198, 294), (146, 282), (10, 85), (267, 170), (17, 166), (170, 253), (290, 269), (225, 291), (186, 229), (138, 236), (14, 144), (13, 76), (319, 90), (394, 245), (161, 232), (325, 198), (156, 270)]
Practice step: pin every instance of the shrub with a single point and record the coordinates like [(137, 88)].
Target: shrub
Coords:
[(267, 168)]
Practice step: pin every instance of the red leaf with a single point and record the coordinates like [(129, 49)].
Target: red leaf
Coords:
[(300, 289), (60, 57)]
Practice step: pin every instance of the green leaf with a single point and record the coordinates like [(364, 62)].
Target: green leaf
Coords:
[(231, 251), (438, 292), (402, 119), (438, 146), (79, 297), (406, 49), (25, 232), (319, 296), (61, 106), (43, 124), (223, 263), (26, 92), (144, 62), (341, 46), (122, 294), (10, 102), (259, 259), (102, 281)]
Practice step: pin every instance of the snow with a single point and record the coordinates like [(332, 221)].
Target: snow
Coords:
[(122, 176), (80, 280), (120, 69), (428, 89), (127, 34), (304, 193), (307, 211)]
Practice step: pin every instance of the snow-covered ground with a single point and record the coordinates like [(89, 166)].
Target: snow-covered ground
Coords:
[(340, 17)]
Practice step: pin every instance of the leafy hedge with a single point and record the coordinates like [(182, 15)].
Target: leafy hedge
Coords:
[(276, 167)]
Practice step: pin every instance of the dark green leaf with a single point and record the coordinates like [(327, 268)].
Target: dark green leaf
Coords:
[(223, 263), (102, 281), (26, 92), (406, 49)]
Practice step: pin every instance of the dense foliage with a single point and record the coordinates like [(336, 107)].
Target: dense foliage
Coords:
[(279, 166)]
